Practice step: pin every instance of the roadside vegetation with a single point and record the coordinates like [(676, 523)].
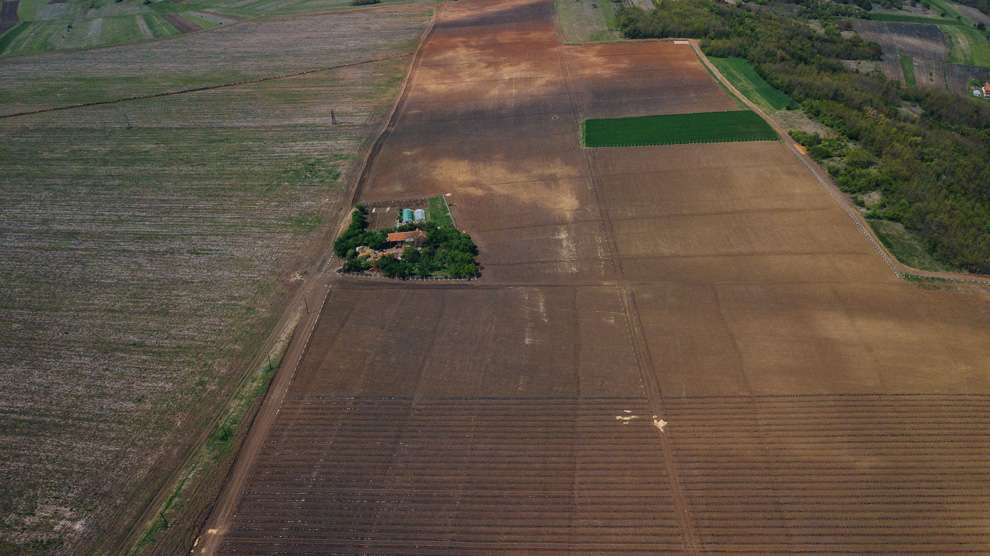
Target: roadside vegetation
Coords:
[(148, 249), (445, 253), (744, 78), (905, 246), (929, 171), (673, 129)]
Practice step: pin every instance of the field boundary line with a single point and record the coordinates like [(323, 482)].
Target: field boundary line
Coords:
[(212, 531), (900, 269), (394, 114), (203, 88), (692, 543)]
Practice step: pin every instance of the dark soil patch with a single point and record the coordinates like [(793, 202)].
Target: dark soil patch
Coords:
[(8, 16), (182, 24)]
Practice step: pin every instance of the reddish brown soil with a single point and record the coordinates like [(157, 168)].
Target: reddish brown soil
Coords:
[(678, 349), (182, 24)]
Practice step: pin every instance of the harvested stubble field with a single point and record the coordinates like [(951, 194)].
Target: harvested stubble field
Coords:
[(672, 349), (921, 42), (147, 245)]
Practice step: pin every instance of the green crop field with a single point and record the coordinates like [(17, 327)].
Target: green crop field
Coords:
[(702, 127), (907, 66), (743, 77), (148, 247)]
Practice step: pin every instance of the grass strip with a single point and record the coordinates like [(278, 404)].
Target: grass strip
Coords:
[(744, 78), (438, 213), (9, 36), (905, 246), (673, 129), (907, 66), (898, 18), (219, 444)]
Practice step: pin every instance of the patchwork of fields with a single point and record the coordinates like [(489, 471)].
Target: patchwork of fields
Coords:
[(672, 349), (147, 247), (929, 50), (51, 25)]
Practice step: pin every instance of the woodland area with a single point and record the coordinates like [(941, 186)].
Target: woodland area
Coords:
[(932, 169)]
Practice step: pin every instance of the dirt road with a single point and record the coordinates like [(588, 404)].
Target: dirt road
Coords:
[(679, 349)]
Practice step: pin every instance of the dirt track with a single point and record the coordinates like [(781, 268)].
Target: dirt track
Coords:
[(678, 349)]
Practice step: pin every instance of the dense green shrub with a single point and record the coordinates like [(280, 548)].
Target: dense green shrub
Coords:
[(357, 234), (445, 252)]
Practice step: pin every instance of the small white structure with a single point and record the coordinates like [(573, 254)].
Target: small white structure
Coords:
[(419, 215)]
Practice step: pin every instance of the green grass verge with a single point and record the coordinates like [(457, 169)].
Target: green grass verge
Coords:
[(904, 246), (219, 444), (743, 77), (703, 127), (438, 213), (907, 66), (9, 36)]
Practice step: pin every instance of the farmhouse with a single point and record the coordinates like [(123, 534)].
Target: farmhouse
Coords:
[(986, 91), (407, 238)]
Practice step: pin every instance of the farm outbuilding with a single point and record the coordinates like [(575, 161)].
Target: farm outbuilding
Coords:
[(420, 215), (407, 238), (407, 215)]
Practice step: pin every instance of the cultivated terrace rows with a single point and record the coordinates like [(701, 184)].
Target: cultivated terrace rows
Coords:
[(680, 349), (146, 247)]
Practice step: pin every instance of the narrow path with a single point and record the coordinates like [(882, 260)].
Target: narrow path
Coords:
[(634, 324), (899, 268), (322, 284)]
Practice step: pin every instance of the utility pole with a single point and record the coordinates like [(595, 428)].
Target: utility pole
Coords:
[(333, 118)]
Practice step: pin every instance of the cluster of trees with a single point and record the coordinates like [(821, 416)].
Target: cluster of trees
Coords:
[(445, 252), (357, 234), (933, 170)]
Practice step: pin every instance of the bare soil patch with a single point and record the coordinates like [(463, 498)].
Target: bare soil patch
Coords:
[(181, 23), (147, 249), (666, 283)]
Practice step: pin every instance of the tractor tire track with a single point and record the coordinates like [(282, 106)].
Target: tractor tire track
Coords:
[(201, 89)]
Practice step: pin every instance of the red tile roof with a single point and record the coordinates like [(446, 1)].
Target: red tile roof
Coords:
[(403, 236)]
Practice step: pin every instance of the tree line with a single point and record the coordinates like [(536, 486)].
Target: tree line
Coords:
[(933, 170)]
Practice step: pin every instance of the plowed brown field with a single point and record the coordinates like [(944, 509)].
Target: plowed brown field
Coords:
[(680, 349)]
